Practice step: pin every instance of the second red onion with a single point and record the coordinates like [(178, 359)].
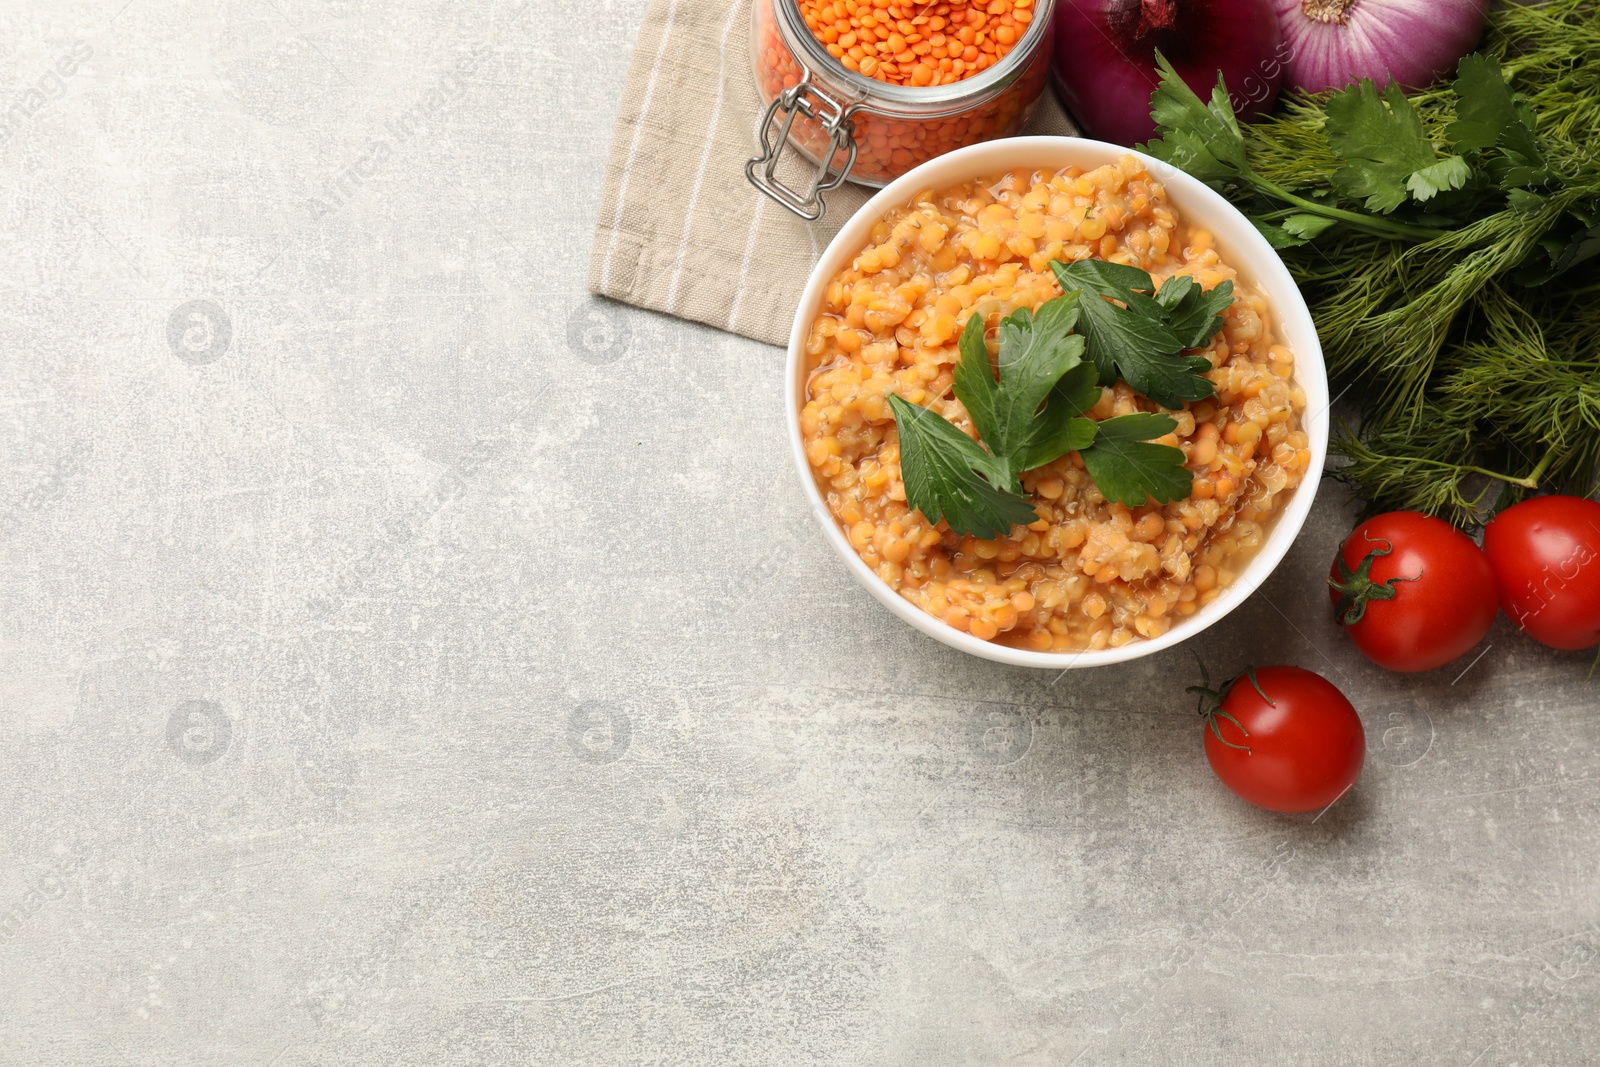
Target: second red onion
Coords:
[(1335, 42)]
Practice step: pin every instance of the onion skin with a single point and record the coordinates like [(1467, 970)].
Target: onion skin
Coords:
[(1411, 42), (1105, 58)]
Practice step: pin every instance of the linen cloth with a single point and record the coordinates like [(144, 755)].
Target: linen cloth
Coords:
[(680, 230)]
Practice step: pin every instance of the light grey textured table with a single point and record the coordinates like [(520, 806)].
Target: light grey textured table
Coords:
[(405, 659)]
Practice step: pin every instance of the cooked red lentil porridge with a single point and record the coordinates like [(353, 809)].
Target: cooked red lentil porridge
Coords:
[(1088, 574)]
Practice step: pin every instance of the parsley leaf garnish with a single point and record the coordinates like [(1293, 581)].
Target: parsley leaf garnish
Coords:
[(941, 467), (1127, 467), (1196, 313), (1141, 340), (1061, 427), (1032, 413), (1385, 150)]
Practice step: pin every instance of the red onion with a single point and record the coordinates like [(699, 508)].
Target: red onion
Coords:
[(1335, 42), (1105, 58)]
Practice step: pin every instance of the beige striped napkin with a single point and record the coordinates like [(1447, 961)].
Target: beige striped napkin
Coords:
[(680, 230)]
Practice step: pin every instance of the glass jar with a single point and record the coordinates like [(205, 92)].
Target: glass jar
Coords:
[(860, 129)]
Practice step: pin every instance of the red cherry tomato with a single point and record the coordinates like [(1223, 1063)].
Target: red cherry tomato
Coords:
[(1546, 558), (1412, 592), (1283, 738)]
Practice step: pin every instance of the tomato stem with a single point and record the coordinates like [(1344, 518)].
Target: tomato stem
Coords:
[(1211, 701), (1356, 587)]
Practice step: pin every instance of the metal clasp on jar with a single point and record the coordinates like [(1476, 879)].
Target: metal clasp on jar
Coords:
[(805, 99)]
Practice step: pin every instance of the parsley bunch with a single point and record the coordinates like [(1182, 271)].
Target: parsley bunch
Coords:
[(1051, 364), (1447, 244)]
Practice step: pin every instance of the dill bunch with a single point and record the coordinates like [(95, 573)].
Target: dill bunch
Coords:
[(1448, 244)]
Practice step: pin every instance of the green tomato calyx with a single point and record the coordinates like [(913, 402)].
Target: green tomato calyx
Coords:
[(1211, 701), (1356, 587)]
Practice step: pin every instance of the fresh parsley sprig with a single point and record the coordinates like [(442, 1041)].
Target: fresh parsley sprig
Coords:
[(1386, 148), (1032, 412)]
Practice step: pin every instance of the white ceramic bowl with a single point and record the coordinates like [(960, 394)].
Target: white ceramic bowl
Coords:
[(1240, 245)]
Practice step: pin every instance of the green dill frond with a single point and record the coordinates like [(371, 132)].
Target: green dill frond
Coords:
[(1466, 324), (1405, 474)]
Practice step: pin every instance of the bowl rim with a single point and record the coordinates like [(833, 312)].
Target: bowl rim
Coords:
[(1247, 251)]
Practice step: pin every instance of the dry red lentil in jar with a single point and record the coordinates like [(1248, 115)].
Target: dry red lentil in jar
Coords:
[(1088, 574), (916, 43), (911, 46)]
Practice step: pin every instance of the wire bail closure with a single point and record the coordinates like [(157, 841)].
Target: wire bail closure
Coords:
[(803, 98)]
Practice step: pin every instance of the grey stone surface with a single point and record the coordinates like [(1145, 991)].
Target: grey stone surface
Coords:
[(407, 659)]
